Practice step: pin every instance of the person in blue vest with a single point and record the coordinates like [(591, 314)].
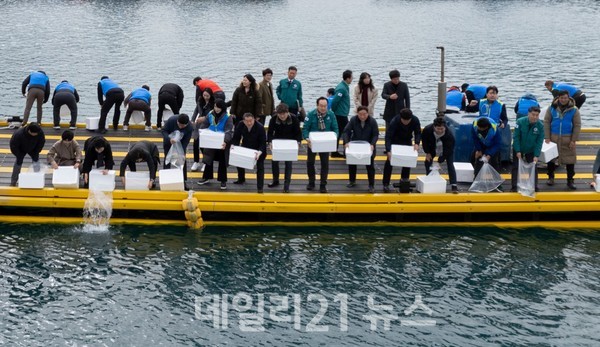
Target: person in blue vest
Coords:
[(330, 95), (524, 103), (109, 95), (183, 125), (340, 106), (474, 93), (217, 120), (455, 98), (574, 92), (139, 100), (65, 94), (528, 138), (487, 141), (562, 125), (37, 85), (492, 108)]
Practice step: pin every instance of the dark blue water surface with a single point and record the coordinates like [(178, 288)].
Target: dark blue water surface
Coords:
[(139, 286)]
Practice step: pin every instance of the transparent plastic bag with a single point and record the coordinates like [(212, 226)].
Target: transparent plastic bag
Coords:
[(526, 179), (176, 155), (487, 180)]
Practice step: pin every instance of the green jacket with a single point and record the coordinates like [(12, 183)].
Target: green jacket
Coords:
[(312, 123), (340, 105), (290, 93), (528, 138)]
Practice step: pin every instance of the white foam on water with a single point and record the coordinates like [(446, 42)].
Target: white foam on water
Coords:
[(97, 211)]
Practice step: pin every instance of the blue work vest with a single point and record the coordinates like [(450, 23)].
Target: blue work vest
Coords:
[(38, 79), (217, 127), (454, 98), (524, 105), (108, 84), (478, 90), (562, 123), (492, 111), (569, 88), (141, 94), (65, 85)]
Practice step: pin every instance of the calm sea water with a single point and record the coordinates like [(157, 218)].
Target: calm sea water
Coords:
[(515, 45), (138, 286)]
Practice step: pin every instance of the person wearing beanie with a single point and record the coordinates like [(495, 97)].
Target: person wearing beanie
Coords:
[(65, 94), (246, 99), (37, 85), (109, 95), (139, 100), (28, 140)]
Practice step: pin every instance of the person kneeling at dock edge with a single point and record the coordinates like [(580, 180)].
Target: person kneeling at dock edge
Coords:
[(439, 141), (400, 131), (217, 120), (140, 152), (97, 149), (562, 125), (362, 127), (28, 140), (252, 135), (486, 141), (318, 119), (528, 138), (65, 152), (284, 126)]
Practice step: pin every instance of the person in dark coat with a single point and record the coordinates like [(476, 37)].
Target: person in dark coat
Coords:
[(284, 126), (140, 152), (181, 123), (402, 130), (97, 150), (438, 141), (251, 134), (65, 94), (246, 99), (28, 140), (396, 97), (362, 127), (170, 94), (204, 105)]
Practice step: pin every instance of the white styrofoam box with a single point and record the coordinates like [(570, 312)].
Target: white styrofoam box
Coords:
[(404, 156), (137, 180), (91, 123), (166, 115), (431, 184), (323, 141), (211, 139), (464, 172), (598, 183), (171, 179), (137, 117), (549, 152), (285, 150), (101, 182), (32, 180), (242, 157), (358, 153), (66, 177), (65, 113)]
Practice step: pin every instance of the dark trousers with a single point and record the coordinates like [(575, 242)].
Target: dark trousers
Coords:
[(477, 164), (570, 170), (114, 97), (342, 121), (20, 156), (138, 105), (209, 168), (310, 166), (65, 99), (449, 164), (514, 174), (260, 173), (167, 147), (37, 95), (166, 99), (370, 172), (579, 100), (196, 150), (287, 178), (387, 173)]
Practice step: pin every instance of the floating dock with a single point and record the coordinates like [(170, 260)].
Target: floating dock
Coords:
[(553, 207)]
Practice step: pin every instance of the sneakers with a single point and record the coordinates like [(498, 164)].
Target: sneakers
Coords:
[(387, 188), (259, 191), (72, 127), (203, 181), (323, 189), (125, 127), (273, 184), (158, 128), (351, 184), (195, 166), (310, 186), (223, 185), (147, 128), (202, 168), (454, 189), (239, 182), (371, 189), (550, 181), (56, 127), (571, 184)]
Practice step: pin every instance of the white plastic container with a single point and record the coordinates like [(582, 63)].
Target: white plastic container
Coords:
[(137, 180), (285, 150), (549, 152), (91, 123), (100, 182), (32, 180), (211, 139), (171, 180), (598, 183), (137, 117), (323, 141), (464, 172), (242, 157), (65, 177), (404, 156), (166, 115), (65, 113), (358, 153), (431, 184)]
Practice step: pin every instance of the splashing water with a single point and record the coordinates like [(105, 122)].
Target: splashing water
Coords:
[(97, 211)]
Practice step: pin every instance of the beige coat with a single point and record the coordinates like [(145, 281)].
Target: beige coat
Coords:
[(266, 94), (373, 96), (566, 155), (64, 153)]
